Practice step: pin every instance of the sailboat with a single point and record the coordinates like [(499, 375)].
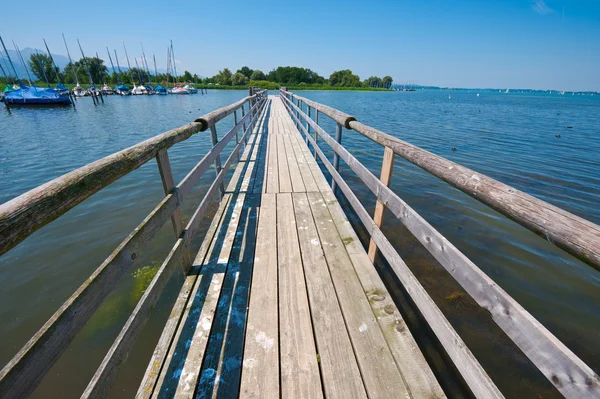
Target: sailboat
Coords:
[(121, 89), (507, 91), (149, 88), (177, 89), (32, 95), (161, 91), (137, 90)]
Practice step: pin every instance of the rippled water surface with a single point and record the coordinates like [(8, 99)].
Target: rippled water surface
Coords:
[(510, 137)]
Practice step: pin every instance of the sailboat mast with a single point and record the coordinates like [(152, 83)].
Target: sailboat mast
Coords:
[(111, 62), (56, 70), (42, 67), (86, 64), (10, 61), (71, 61), (138, 72), (103, 77), (168, 65), (146, 64), (129, 65), (119, 67), (155, 70), (23, 62), (174, 66)]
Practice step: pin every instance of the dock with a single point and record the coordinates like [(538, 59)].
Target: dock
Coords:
[(282, 300)]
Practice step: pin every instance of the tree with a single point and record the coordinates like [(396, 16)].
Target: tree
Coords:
[(41, 66), (96, 68), (247, 72), (239, 79), (294, 75), (224, 77), (374, 81), (257, 75), (387, 81), (344, 78), (187, 77)]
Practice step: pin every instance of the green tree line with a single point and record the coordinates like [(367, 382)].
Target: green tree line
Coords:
[(93, 69), (297, 77)]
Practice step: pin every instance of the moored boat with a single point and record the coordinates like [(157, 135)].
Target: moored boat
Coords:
[(191, 88), (36, 96), (122, 90), (161, 91), (179, 90), (107, 90), (79, 91)]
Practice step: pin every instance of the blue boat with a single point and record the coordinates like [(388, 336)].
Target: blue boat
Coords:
[(161, 91), (36, 96), (122, 90)]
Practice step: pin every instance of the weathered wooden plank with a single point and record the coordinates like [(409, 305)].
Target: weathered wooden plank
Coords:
[(416, 373), (298, 356), (260, 372), (386, 174), (22, 374), (339, 369), (295, 175), (472, 372), (569, 374), (285, 181), (180, 375), (222, 365), (272, 175), (307, 176), (379, 371), (166, 339)]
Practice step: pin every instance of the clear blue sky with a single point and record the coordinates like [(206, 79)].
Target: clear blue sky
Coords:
[(543, 44)]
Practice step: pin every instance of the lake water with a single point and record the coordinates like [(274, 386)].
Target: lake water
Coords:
[(510, 137)]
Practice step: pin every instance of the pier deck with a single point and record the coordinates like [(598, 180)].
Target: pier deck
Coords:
[(282, 299)]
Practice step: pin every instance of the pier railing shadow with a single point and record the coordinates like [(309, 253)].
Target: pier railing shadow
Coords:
[(577, 236)]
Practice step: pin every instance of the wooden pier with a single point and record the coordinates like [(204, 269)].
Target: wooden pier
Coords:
[(282, 299)]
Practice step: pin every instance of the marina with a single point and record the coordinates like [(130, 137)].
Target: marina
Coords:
[(280, 243)]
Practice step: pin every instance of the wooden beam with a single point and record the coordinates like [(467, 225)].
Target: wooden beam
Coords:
[(386, 174)]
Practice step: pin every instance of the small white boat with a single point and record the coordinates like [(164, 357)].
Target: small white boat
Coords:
[(139, 91), (107, 90), (79, 91), (191, 88), (179, 90)]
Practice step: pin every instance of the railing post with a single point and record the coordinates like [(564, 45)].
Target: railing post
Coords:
[(244, 125), (386, 175), (307, 124), (215, 140), (237, 138), (336, 157), (316, 134), (166, 175)]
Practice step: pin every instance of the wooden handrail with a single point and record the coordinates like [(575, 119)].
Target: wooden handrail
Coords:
[(24, 372), (25, 214), (575, 235), (569, 374)]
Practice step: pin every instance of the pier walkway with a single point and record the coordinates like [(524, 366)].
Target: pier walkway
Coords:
[(282, 299)]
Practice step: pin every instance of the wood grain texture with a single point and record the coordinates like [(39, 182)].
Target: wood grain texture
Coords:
[(298, 355), (168, 334), (379, 372), (416, 373), (260, 370), (339, 368), (386, 175), (468, 366)]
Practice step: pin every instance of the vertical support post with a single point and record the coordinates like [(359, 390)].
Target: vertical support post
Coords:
[(386, 175), (307, 124), (237, 137), (244, 124), (215, 140), (336, 157), (316, 133), (166, 175)]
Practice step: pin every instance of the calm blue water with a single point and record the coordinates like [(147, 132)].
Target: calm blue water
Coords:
[(510, 137)]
